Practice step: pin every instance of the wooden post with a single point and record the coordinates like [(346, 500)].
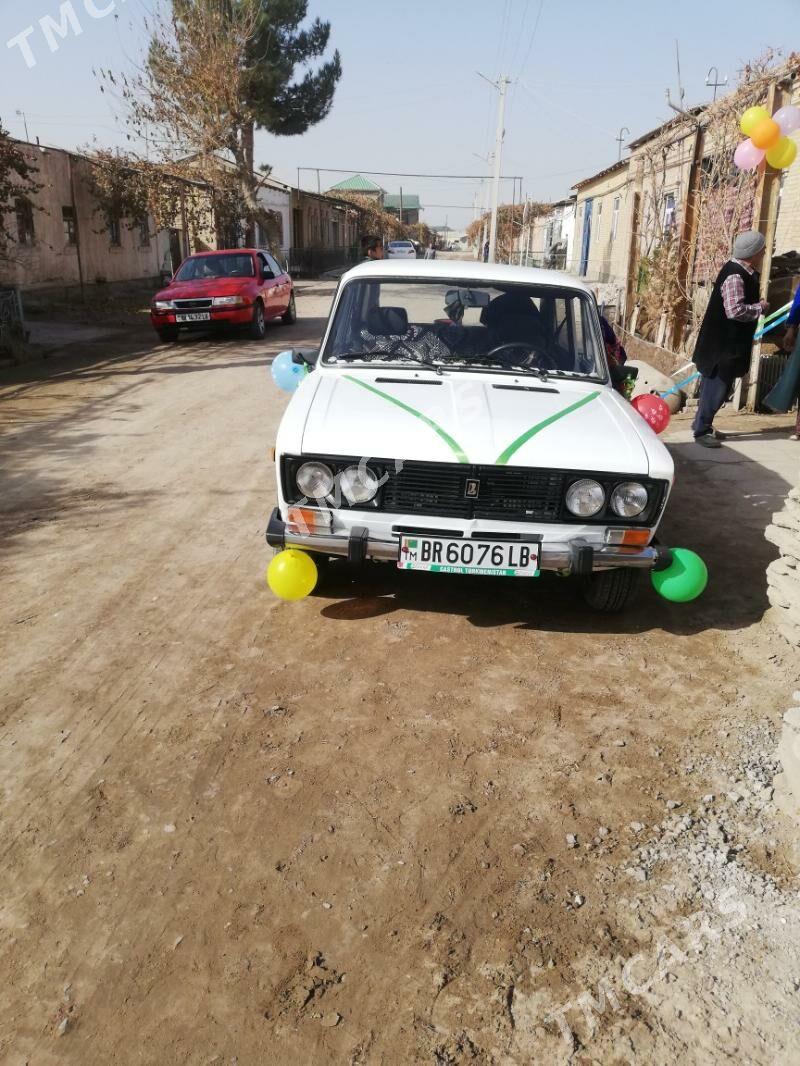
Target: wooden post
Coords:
[(633, 263), (688, 240), (77, 225), (765, 219)]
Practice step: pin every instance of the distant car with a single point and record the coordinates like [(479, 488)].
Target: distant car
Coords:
[(237, 287), (401, 250)]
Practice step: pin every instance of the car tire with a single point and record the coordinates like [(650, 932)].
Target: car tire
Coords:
[(258, 327), (290, 317), (611, 591), (168, 335)]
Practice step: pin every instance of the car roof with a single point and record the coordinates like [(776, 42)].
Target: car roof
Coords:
[(226, 251), (463, 270)]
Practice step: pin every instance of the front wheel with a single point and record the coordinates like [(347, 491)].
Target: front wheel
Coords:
[(258, 328), (290, 316), (611, 591)]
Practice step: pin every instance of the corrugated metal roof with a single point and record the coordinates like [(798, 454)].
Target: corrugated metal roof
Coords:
[(410, 201), (358, 183)]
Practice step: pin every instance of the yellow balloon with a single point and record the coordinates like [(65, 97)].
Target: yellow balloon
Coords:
[(783, 154), (751, 118), (292, 574)]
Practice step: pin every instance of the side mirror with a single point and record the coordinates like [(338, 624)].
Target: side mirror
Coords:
[(309, 356)]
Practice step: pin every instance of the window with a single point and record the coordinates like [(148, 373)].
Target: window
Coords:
[(224, 265), (274, 266), (24, 210), (144, 233), (615, 218), (669, 213), (115, 232), (517, 328), (70, 225)]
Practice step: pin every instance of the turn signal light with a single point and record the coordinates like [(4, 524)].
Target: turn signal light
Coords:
[(629, 538), (306, 520)]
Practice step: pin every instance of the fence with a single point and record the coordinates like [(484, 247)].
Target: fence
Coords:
[(312, 262), (12, 322)]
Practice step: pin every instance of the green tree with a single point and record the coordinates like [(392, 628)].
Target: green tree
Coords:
[(218, 70)]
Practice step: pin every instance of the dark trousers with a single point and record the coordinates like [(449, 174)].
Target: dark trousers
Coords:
[(714, 391)]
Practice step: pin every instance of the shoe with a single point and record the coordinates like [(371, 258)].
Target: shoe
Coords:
[(707, 441), (720, 436), (795, 436)]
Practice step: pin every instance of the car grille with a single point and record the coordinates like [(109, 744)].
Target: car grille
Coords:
[(513, 494), (192, 305)]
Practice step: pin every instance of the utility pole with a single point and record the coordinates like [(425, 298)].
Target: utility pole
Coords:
[(24, 122), (501, 86), (401, 205)]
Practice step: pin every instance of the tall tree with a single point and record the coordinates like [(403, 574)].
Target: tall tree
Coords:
[(217, 70)]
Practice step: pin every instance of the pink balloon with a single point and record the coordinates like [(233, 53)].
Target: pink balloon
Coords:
[(788, 118), (747, 156)]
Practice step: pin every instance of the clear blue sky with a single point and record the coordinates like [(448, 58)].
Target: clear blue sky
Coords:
[(409, 98)]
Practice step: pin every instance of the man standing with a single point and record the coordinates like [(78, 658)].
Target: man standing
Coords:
[(723, 348)]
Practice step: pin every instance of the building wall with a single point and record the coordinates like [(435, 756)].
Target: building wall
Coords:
[(609, 245), (787, 233), (278, 199), (50, 260)]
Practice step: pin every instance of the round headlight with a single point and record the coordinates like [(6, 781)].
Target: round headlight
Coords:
[(359, 484), (585, 498), (315, 480), (629, 499)]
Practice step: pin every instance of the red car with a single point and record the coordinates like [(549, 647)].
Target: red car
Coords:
[(238, 287)]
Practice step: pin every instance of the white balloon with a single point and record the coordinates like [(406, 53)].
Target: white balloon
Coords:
[(788, 118)]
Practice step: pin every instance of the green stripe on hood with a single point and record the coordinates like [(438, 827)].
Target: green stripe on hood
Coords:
[(515, 445), (453, 445)]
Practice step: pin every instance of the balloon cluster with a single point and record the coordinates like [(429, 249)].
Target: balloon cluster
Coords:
[(286, 373), (768, 136), (653, 410)]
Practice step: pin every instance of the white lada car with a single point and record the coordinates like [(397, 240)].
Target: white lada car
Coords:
[(460, 418)]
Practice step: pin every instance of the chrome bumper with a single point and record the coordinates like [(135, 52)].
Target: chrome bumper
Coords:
[(575, 558)]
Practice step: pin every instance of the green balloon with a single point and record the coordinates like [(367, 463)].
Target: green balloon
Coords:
[(684, 580)]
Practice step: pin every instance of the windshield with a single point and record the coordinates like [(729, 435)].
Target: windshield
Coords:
[(463, 325), (202, 267)]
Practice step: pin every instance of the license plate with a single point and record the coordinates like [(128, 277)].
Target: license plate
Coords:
[(194, 316), (445, 555)]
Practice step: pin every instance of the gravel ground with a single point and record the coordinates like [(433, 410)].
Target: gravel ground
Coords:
[(408, 820)]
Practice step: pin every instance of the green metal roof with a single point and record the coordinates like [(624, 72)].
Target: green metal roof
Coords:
[(357, 183), (410, 202)]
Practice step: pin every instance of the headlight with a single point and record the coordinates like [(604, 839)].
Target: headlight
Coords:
[(359, 484), (629, 499), (162, 305), (228, 301), (585, 498), (315, 480)]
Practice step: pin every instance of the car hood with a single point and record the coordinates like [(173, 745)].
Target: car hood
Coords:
[(193, 290), (476, 418)]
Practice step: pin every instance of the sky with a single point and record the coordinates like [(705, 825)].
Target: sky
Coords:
[(411, 98)]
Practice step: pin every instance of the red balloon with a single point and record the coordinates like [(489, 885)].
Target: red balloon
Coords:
[(653, 409)]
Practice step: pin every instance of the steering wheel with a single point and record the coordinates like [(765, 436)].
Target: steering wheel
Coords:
[(530, 349)]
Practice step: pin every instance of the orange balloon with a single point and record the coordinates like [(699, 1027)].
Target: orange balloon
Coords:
[(766, 134)]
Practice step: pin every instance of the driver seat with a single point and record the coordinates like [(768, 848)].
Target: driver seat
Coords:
[(514, 318)]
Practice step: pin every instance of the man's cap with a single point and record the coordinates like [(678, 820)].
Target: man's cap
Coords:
[(748, 244)]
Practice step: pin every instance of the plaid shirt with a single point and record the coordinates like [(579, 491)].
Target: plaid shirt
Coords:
[(733, 297)]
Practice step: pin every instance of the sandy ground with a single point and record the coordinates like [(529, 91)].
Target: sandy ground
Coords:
[(409, 820)]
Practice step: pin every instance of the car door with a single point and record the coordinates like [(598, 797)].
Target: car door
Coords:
[(269, 286), (283, 287)]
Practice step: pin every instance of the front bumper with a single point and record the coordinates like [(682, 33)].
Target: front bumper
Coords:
[(232, 316), (575, 557)]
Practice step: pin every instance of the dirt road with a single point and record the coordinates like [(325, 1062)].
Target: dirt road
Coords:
[(408, 820)]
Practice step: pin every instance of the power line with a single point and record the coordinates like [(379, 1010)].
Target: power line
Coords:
[(403, 174), (533, 38)]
